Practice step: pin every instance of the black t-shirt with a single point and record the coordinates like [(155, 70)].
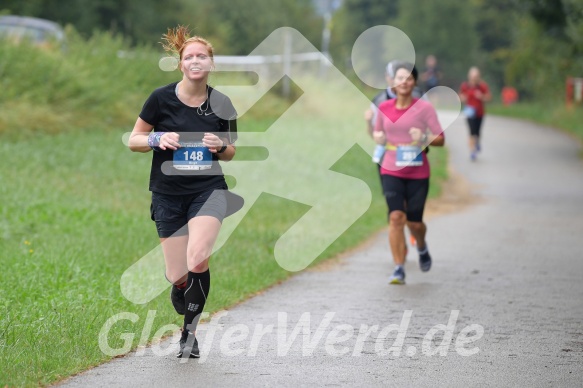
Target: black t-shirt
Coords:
[(167, 113)]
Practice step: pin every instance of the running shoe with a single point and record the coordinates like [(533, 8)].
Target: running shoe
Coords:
[(189, 345), (425, 261), (398, 276), (177, 298), (473, 156)]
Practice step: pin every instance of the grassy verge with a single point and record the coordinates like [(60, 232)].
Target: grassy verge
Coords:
[(555, 115), (75, 213)]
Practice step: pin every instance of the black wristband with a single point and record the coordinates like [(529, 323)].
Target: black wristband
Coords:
[(223, 148)]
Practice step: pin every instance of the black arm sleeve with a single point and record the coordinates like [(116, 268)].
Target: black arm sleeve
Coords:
[(229, 120)]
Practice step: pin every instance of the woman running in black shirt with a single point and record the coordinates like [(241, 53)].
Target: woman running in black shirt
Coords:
[(190, 127)]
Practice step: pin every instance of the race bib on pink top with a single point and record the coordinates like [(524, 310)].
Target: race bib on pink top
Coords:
[(409, 155)]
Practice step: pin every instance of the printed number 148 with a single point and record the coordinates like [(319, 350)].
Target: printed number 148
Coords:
[(194, 155)]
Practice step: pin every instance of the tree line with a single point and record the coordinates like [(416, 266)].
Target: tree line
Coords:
[(529, 44)]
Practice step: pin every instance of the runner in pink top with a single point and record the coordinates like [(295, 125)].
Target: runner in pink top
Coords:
[(396, 123), (406, 126)]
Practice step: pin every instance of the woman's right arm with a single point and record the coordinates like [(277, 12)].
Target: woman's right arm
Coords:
[(462, 94), (139, 137), (378, 134), (369, 117)]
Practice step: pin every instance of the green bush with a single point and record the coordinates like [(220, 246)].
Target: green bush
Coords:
[(95, 82)]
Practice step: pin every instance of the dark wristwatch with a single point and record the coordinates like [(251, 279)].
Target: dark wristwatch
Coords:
[(223, 148)]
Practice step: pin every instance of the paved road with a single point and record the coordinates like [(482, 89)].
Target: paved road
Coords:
[(507, 277)]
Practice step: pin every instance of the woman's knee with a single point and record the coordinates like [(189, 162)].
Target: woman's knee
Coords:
[(200, 267), (197, 258), (397, 218), (176, 277), (416, 227)]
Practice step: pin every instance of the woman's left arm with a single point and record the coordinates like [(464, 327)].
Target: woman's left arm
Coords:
[(215, 144), (486, 96), (229, 153), (435, 135), (426, 139), (436, 140)]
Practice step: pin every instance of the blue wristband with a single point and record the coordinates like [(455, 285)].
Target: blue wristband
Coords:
[(154, 140)]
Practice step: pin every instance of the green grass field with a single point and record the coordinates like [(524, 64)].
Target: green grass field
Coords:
[(75, 212)]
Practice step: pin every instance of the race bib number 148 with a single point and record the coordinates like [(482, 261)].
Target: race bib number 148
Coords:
[(192, 156)]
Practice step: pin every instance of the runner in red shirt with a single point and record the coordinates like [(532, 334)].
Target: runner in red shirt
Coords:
[(474, 93)]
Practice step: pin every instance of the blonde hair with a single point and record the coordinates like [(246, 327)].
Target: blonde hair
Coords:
[(176, 39)]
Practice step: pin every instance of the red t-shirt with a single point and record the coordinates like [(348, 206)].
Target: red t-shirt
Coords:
[(396, 124), (470, 93)]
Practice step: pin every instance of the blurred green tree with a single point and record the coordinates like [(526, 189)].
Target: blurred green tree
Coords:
[(446, 29), (547, 48), (352, 19), (238, 27)]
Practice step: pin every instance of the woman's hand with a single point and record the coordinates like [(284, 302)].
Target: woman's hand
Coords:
[(416, 134), (379, 137), (169, 140), (213, 142)]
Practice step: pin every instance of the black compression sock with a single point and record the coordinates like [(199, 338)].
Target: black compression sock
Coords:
[(197, 290)]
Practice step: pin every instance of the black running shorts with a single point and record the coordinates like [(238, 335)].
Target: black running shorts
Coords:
[(406, 195), (475, 125), (172, 212)]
